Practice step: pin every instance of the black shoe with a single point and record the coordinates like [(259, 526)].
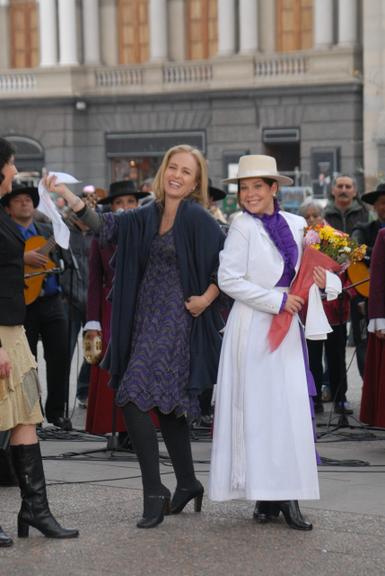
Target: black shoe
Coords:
[(34, 509), (61, 422), (341, 408), (262, 511), (5, 540), (182, 497), (292, 514), (156, 507)]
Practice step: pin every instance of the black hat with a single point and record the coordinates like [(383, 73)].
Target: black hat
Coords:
[(122, 188), (216, 193), (19, 188), (372, 197)]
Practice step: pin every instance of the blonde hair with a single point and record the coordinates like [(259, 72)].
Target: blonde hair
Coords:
[(200, 193)]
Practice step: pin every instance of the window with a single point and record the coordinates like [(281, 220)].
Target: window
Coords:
[(24, 34), (201, 29), (133, 31), (294, 25)]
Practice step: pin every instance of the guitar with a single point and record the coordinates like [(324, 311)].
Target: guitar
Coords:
[(34, 276), (359, 273)]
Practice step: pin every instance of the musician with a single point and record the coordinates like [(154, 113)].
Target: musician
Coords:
[(366, 233), (373, 392), (45, 317)]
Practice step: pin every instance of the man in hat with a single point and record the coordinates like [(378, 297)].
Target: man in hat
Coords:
[(366, 233), (215, 195), (45, 317), (122, 196)]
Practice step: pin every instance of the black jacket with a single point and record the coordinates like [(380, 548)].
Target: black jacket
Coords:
[(198, 241), (367, 234), (12, 306)]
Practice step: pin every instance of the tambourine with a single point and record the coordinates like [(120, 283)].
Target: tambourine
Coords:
[(92, 348)]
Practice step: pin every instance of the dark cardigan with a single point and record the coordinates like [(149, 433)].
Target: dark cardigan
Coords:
[(198, 241)]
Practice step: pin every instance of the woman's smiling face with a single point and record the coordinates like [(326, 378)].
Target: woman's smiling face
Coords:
[(256, 196), (180, 176)]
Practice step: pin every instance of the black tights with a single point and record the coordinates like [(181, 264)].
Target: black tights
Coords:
[(175, 432)]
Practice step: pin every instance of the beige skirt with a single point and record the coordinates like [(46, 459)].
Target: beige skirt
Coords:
[(19, 393)]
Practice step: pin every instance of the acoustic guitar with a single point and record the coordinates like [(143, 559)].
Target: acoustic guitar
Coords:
[(358, 273), (34, 276)]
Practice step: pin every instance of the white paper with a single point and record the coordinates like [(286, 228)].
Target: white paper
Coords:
[(46, 206), (333, 286), (317, 326)]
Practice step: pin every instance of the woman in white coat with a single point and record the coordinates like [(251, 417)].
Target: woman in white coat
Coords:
[(263, 445)]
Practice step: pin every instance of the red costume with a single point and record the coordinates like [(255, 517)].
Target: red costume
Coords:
[(100, 396), (373, 392)]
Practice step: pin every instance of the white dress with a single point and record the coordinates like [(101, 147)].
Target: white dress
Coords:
[(263, 444)]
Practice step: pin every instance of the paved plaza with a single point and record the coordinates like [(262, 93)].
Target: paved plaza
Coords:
[(101, 495)]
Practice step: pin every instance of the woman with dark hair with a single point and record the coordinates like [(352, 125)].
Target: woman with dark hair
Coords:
[(263, 444), (165, 341), (19, 386)]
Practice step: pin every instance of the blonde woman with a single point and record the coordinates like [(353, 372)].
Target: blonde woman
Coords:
[(165, 342)]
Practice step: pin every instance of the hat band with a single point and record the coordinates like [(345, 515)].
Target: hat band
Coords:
[(258, 173)]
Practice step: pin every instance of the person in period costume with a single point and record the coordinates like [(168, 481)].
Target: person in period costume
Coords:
[(45, 316), (122, 196), (215, 195), (373, 392), (19, 387), (263, 444), (366, 233), (165, 325)]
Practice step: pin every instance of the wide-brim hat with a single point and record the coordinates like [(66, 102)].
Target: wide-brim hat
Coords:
[(372, 197), (215, 193), (122, 188), (19, 188), (258, 166)]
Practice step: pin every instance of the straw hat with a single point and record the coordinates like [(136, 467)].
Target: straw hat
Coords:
[(259, 166)]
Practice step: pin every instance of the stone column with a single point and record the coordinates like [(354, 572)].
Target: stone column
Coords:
[(48, 32), (158, 30), (347, 22), (91, 32), (248, 26), (5, 55), (226, 27), (68, 33), (323, 23)]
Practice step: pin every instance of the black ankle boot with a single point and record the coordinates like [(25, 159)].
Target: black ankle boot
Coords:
[(182, 496), (5, 540), (262, 511), (34, 509), (292, 514), (155, 508)]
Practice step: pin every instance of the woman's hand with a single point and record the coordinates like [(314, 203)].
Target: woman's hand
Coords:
[(319, 276), (380, 334), (73, 201), (293, 304), (196, 305), (5, 364)]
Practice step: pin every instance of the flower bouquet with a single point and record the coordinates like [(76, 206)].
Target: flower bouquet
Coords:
[(326, 247)]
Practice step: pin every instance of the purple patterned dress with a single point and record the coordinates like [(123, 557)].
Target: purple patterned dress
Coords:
[(159, 367)]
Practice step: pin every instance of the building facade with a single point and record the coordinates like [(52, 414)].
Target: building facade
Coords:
[(101, 88)]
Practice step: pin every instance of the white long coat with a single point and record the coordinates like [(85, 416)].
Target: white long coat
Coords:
[(263, 445)]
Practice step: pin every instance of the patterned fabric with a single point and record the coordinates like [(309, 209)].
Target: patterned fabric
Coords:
[(159, 367)]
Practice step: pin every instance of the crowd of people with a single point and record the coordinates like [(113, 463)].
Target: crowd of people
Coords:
[(180, 301)]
